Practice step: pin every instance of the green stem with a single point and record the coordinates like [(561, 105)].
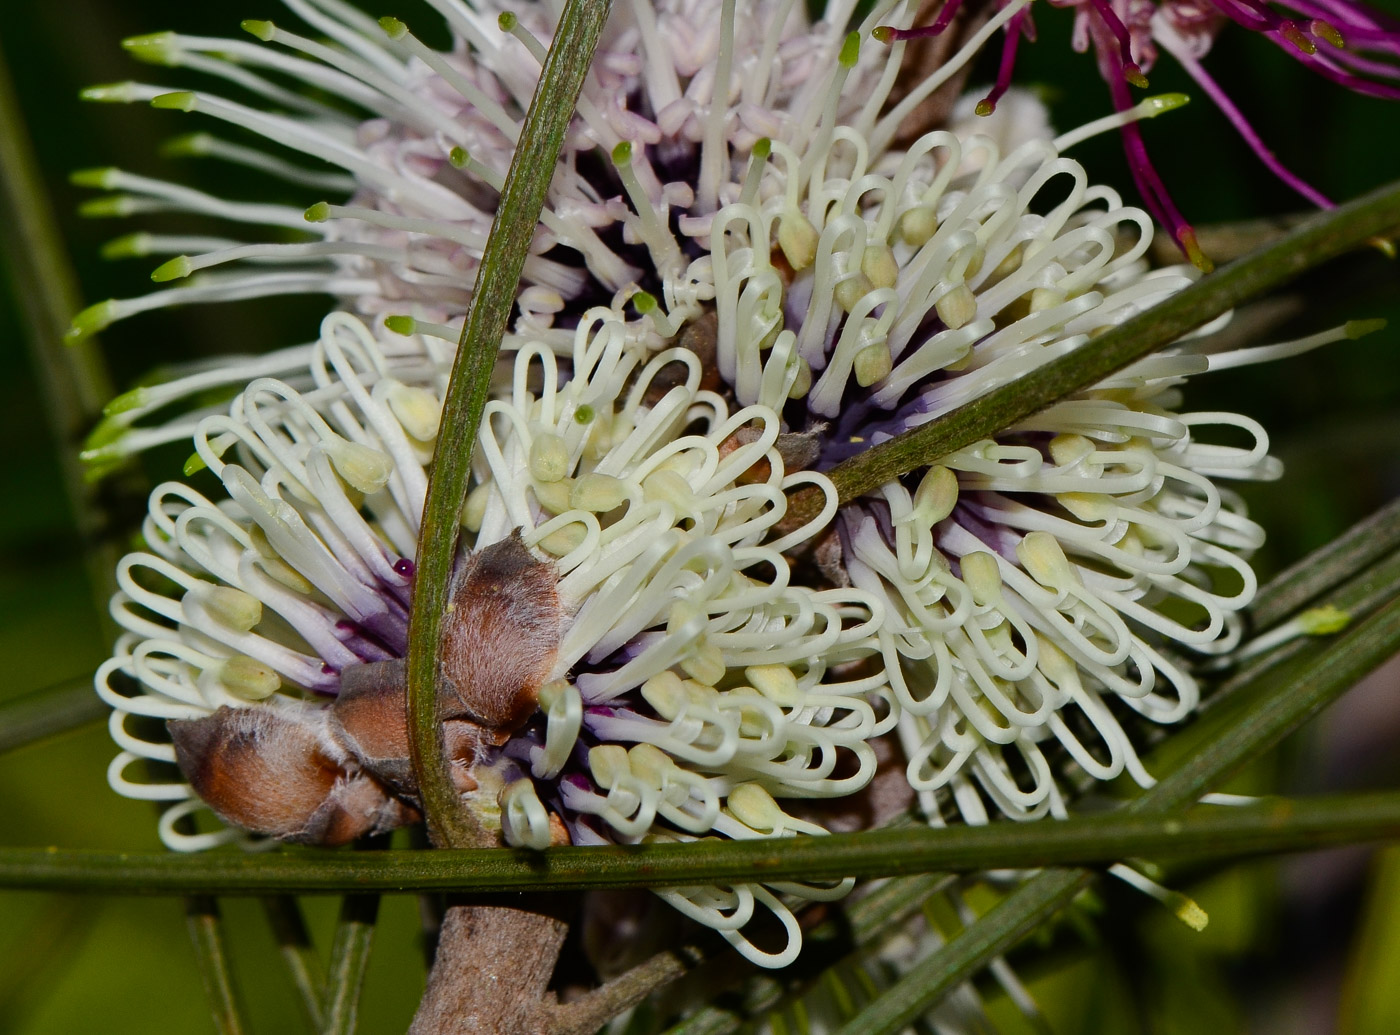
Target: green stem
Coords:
[(522, 199), (1331, 668), (354, 934), (207, 934), (1356, 549), (289, 928), (43, 713), (1321, 238), (1272, 826)]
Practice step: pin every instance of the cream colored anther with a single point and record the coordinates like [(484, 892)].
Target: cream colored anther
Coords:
[(555, 497), (231, 607), (666, 694), (982, 576), (1089, 506), (475, 510), (852, 289), (705, 664), (249, 678), (1046, 298), (564, 540), (798, 239), (598, 493), (802, 384), (1055, 664), (665, 486), (417, 409), (608, 762), (362, 467), (1067, 450), (872, 363), (778, 683), (917, 225), (1043, 558), (936, 495), (754, 807), (957, 307), (879, 265), (650, 764), (549, 457)]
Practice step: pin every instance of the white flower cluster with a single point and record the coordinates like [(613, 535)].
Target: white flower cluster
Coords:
[(805, 285)]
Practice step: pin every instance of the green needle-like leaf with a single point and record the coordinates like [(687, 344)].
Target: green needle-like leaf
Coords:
[(52, 710), (206, 929), (354, 933), (1204, 832)]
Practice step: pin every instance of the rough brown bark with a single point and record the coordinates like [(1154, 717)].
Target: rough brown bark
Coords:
[(492, 972)]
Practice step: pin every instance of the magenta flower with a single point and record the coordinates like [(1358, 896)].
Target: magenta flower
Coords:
[(1344, 41)]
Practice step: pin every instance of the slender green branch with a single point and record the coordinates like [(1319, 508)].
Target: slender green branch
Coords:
[(1273, 826), (354, 933), (289, 928), (1321, 238), (1331, 668), (43, 713), (522, 199), (207, 933)]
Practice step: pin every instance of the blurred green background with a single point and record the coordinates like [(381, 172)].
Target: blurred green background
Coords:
[(1292, 946)]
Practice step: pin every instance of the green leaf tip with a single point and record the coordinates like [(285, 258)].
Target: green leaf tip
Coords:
[(180, 100), (129, 400), (762, 147), (507, 21), (1324, 621), (393, 28), (401, 324), (459, 157), (850, 50), (584, 414), (99, 178), (1151, 107), (177, 268), (110, 93), (194, 465), (111, 206), (154, 48), (263, 30), (106, 432), (622, 153), (128, 246), (318, 213), (187, 145), (91, 320), (1360, 328), (644, 302)]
